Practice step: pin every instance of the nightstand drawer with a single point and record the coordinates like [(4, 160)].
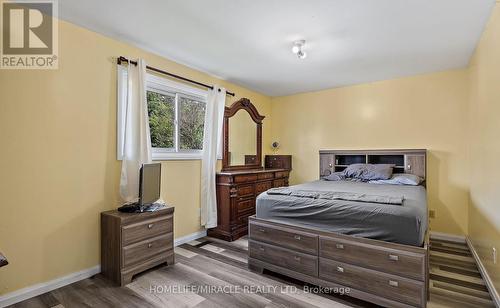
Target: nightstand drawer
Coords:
[(146, 229), (144, 250)]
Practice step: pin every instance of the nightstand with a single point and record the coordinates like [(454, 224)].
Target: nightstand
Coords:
[(134, 242)]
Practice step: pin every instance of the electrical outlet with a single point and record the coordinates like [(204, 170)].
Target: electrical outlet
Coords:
[(494, 255), (432, 214)]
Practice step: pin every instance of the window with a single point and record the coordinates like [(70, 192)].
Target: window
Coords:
[(176, 117), (176, 123)]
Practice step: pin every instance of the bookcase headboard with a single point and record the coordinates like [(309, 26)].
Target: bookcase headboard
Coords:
[(406, 161)]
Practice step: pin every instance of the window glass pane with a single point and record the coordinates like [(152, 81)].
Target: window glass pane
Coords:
[(161, 110), (191, 119)]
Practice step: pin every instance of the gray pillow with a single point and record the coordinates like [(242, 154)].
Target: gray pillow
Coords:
[(401, 179), (336, 176), (369, 172)]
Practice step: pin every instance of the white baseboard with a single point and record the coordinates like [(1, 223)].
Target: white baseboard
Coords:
[(486, 277), (190, 237), (447, 237), (44, 287)]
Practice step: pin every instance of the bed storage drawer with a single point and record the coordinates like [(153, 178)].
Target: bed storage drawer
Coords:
[(282, 257), (285, 237), (411, 265), (397, 288)]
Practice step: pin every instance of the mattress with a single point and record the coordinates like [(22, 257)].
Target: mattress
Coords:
[(404, 224)]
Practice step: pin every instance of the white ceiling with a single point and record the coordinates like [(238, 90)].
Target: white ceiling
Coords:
[(249, 42)]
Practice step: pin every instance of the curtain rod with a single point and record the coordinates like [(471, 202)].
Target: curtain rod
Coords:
[(123, 59)]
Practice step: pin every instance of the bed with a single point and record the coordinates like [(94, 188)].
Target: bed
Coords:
[(369, 238), (404, 224)]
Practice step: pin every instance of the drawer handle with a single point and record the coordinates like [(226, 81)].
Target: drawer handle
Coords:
[(340, 269), (261, 248), (150, 226), (150, 245), (297, 258), (297, 237), (339, 246), (393, 258), (262, 230), (393, 283)]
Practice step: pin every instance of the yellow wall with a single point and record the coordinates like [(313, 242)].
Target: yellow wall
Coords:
[(427, 111), (58, 158), (484, 139)]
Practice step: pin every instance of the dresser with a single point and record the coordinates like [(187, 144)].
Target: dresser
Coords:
[(134, 242), (236, 194)]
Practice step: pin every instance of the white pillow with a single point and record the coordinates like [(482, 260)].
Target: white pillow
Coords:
[(400, 179)]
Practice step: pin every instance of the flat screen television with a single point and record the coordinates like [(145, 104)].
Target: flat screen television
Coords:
[(149, 191), (150, 183)]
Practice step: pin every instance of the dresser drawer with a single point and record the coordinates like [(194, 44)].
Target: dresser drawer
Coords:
[(262, 187), (407, 264), (385, 285), (245, 205), (282, 257), (279, 183), (289, 238), (146, 229), (245, 178), (281, 174), (264, 176), (242, 219), (144, 250), (245, 190)]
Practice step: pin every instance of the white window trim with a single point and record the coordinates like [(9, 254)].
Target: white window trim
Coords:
[(159, 84)]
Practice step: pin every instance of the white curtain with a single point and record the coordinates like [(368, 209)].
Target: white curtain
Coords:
[(137, 141), (212, 140)]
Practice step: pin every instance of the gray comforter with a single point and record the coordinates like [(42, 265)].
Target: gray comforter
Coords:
[(373, 216)]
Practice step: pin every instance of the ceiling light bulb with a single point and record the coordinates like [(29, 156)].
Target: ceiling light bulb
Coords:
[(297, 48)]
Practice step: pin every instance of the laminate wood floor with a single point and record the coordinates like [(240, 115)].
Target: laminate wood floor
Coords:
[(213, 273)]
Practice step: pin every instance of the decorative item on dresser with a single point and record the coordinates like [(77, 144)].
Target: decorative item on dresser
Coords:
[(239, 185), (3, 260), (278, 161), (134, 242)]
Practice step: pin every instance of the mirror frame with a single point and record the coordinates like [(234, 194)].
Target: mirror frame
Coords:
[(245, 104)]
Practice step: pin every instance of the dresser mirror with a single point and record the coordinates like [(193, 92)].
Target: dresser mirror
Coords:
[(242, 140), (242, 145)]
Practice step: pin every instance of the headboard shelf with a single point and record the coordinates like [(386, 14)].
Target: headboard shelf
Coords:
[(411, 161)]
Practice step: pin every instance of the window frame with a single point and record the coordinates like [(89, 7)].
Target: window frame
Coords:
[(166, 87)]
